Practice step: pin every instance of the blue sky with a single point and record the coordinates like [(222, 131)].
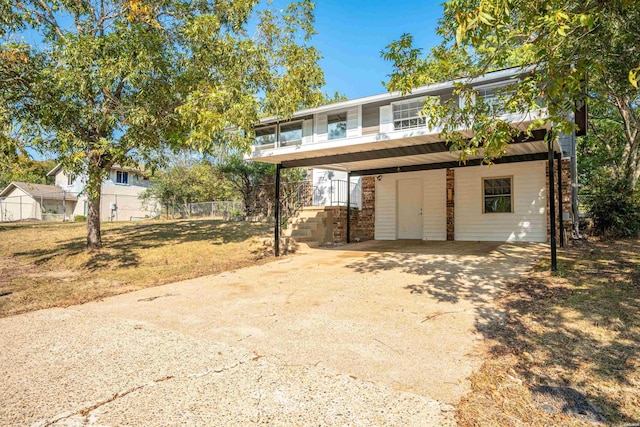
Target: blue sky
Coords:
[(351, 35)]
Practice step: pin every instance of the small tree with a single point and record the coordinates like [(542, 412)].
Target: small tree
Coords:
[(114, 81)]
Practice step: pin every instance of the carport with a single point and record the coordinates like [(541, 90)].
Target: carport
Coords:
[(430, 156)]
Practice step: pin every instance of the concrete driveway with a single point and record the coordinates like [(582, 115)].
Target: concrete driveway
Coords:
[(375, 333)]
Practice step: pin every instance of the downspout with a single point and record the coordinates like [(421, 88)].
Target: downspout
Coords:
[(560, 221), (276, 240), (349, 207), (552, 209)]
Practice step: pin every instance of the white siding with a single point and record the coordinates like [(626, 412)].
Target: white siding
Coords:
[(385, 208), (435, 205), (19, 205), (528, 222), (433, 202)]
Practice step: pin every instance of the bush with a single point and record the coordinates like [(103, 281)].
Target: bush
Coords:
[(615, 209), (79, 218)]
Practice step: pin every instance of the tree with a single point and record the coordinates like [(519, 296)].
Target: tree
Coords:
[(23, 168), (576, 51), (115, 81), (182, 184), (246, 178)]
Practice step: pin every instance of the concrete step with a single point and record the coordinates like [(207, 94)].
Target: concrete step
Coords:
[(297, 220), (312, 214), (301, 233)]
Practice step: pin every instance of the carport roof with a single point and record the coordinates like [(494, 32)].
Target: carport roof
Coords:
[(418, 156)]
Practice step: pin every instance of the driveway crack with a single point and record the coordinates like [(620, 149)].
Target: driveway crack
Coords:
[(86, 411)]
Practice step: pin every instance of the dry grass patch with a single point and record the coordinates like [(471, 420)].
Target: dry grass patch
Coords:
[(45, 265), (579, 330)]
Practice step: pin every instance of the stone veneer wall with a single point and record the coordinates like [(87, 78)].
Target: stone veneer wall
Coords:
[(362, 220), (566, 193), (450, 197)]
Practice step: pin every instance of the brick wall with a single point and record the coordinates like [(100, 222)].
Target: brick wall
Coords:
[(450, 197), (362, 220)]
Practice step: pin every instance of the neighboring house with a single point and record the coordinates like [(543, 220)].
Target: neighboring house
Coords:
[(413, 186), (65, 199), (21, 201), (119, 193)]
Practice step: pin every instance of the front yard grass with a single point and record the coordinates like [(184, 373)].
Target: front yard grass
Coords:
[(46, 265), (579, 329)]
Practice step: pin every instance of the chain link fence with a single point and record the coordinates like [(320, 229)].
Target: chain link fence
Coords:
[(225, 210)]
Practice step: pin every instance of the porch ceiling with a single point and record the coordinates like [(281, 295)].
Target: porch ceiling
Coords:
[(407, 155)]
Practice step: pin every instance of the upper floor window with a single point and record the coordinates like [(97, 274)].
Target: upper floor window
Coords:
[(122, 177), (337, 125), (290, 133), (70, 179), (495, 96), (406, 115), (266, 135), (497, 194)]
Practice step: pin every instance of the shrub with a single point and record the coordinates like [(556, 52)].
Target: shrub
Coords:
[(615, 209), (79, 218)]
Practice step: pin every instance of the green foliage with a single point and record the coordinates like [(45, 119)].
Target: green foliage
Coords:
[(116, 81), (614, 208), (246, 178), (564, 44), (22, 168), (79, 218), (180, 185)]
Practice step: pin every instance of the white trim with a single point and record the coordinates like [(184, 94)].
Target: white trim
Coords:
[(390, 96)]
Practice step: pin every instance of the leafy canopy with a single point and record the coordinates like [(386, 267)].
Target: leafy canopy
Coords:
[(118, 81), (575, 51)]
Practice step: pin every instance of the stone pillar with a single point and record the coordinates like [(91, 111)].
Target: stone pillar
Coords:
[(451, 232)]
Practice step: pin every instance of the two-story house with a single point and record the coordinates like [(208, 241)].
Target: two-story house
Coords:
[(413, 186), (120, 193), (65, 200)]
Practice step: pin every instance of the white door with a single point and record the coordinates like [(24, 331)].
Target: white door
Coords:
[(410, 209)]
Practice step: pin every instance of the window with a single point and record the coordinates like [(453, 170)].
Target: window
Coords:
[(406, 115), (266, 135), (497, 195), (70, 179), (122, 177), (290, 133), (495, 96), (337, 125)]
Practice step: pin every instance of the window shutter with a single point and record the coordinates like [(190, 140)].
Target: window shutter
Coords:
[(352, 122), (307, 131), (321, 127), (386, 118)]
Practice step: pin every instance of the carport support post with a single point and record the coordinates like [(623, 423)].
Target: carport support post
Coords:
[(276, 240), (560, 201), (552, 211), (349, 207)]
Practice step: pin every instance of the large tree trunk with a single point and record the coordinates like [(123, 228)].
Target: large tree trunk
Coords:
[(94, 238)]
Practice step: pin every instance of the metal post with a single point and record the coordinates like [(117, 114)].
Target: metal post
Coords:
[(552, 211), (276, 240), (64, 206), (560, 221), (349, 207)]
